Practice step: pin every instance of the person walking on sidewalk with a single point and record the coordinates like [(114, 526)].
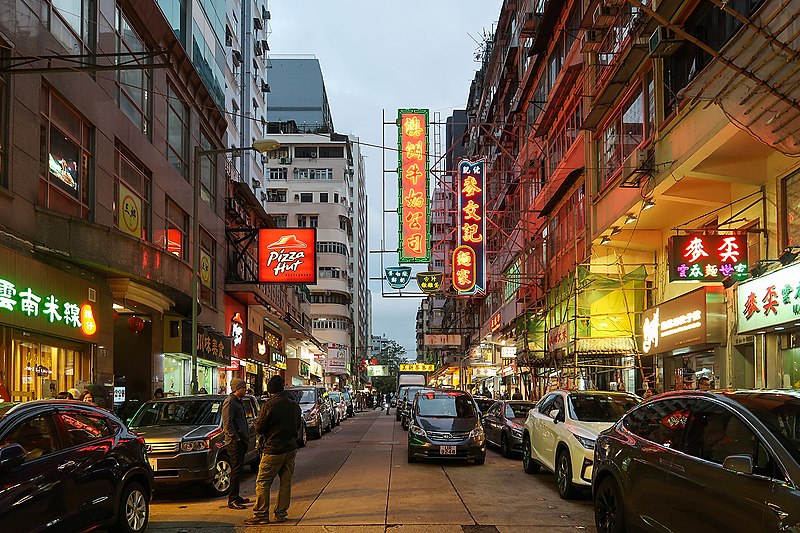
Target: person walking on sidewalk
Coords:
[(277, 427), (237, 435)]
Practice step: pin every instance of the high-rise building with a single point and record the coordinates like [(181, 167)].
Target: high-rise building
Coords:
[(297, 93)]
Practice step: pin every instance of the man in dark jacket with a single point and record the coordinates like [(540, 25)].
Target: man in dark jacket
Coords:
[(237, 435), (278, 426)]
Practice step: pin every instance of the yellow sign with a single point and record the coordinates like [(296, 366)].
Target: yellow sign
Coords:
[(130, 212), (416, 367), (205, 269)]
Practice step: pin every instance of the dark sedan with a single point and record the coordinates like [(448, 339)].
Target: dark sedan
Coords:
[(445, 425), (70, 466), (503, 424), (701, 461)]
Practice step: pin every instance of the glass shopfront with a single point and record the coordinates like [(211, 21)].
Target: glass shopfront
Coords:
[(42, 369), (174, 371)]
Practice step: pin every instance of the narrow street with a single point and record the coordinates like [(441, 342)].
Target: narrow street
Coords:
[(357, 479)]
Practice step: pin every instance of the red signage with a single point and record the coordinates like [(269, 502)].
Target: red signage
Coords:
[(469, 271), (496, 322), (287, 255), (413, 199), (236, 324), (696, 257)]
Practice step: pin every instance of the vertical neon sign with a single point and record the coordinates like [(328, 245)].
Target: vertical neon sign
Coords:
[(413, 198), (469, 258)]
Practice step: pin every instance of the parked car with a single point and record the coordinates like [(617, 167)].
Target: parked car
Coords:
[(339, 406), (560, 434), (484, 403), (317, 410), (405, 403), (701, 461), (71, 466), (348, 401), (445, 425), (503, 425), (302, 433), (185, 442)]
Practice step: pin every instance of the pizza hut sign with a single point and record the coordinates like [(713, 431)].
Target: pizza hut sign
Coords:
[(287, 255)]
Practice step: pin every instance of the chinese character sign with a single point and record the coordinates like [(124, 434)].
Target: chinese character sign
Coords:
[(769, 301), (469, 259), (413, 200), (707, 257), (40, 305)]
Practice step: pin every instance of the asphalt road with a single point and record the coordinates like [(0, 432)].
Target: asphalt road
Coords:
[(357, 479)]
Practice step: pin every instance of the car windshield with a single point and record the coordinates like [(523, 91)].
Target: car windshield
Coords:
[(780, 413), (518, 410), (302, 396), (179, 413), (445, 405), (600, 407)]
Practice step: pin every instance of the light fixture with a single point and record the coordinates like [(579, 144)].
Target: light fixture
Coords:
[(265, 145), (605, 240), (789, 255), (779, 328), (758, 269), (615, 230), (729, 281), (648, 203), (630, 218)]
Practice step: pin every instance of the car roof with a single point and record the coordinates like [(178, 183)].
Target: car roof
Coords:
[(197, 397), (43, 405)]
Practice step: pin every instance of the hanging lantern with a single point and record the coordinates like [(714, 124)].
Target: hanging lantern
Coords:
[(135, 324), (115, 315)]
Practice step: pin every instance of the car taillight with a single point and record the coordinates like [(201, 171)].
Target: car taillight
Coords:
[(211, 435)]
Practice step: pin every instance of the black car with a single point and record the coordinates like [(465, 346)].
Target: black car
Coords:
[(70, 466), (503, 425), (701, 461), (405, 403), (445, 425)]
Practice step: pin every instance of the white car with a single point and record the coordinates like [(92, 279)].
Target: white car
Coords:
[(560, 432)]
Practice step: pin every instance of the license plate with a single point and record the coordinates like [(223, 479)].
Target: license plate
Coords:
[(447, 450), (153, 463)]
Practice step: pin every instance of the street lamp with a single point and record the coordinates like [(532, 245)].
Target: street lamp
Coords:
[(261, 146)]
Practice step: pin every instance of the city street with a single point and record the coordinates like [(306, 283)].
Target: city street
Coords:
[(357, 479)]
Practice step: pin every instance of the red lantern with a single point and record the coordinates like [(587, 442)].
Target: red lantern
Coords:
[(115, 314), (135, 324), (374, 361)]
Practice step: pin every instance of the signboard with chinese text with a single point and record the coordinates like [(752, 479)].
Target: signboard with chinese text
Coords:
[(558, 337), (770, 300), (211, 346), (413, 186), (416, 367), (130, 211), (696, 257), (205, 269), (694, 319), (429, 282), (495, 322), (336, 359), (376, 371), (287, 255), (469, 258)]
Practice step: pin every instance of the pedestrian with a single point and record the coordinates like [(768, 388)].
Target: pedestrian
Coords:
[(237, 435), (159, 393), (648, 393), (703, 384), (517, 395), (278, 424), (87, 396)]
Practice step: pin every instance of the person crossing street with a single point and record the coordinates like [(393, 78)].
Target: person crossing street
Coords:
[(277, 426)]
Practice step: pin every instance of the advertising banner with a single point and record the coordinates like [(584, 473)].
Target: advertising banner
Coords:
[(130, 211), (413, 186), (287, 255), (453, 341), (694, 319), (336, 360)]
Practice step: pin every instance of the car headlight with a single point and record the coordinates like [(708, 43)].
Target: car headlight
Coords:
[(194, 445), (585, 441), (418, 431), (476, 433), (517, 432)]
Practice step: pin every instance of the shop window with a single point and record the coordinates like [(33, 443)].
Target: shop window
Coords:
[(42, 371), (208, 173), (207, 269), (73, 23), (37, 436), (132, 196), (83, 428), (173, 375), (177, 230), (177, 133), (65, 158), (134, 86)]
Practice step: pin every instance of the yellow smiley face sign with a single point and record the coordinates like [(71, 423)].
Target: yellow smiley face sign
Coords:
[(130, 212)]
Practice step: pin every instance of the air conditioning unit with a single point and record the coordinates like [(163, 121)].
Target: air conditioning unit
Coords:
[(664, 42), (264, 159), (286, 161), (638, 165), (257, 24), (263, 196), (604, 16), (592, 39), (256, 183), (296, 197), (265, 87), (237, 57)]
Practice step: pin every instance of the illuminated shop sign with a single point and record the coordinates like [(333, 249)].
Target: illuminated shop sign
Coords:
[(211, 345), (469, 258), (495, 322), (413, 187), (45, 307), (429, 282), (416, 367), (237, 331), (707, 257), (287, 255), (769, 301), (690, 320)]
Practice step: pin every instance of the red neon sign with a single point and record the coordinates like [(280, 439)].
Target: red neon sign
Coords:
[(413, 199), (708, 257), (469, 279), (464, 269)]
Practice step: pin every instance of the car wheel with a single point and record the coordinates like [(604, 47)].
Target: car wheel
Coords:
[(134, 509), (505, 449), (301, 442), (411, 458), (528, 464), (480, 460), (564, 476), (609, 516), (221, 476)]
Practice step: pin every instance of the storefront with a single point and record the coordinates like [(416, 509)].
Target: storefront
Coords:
[(213, 352), (51, 331), (685, 336)]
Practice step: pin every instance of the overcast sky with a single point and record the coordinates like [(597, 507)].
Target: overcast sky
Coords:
[(384, 55)]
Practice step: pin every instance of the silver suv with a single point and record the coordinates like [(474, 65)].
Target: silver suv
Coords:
[(317, 411)]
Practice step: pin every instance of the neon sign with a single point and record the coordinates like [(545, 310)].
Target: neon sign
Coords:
[(48, 308), (469, 258), (413, 186), (707, 257)]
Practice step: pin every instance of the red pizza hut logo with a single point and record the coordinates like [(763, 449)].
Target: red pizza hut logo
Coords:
[(287, 255)]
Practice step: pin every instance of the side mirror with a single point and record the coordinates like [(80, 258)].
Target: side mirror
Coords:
[(554, 414), (11, 456), (738, 464)]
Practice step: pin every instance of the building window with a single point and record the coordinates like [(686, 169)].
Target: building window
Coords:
[(329, 273), (73, 23), (305, 151), (329, 247), (65, 158), (306, 197), (302, 221), (791, 210), (177, 133), (132, 195), (331, 152), (176, 221), (276, 195), (323, 198), (133, 86), (313, 221), (314, 173), (208, 173), (208, 264), (280, 220), (276, 173), (330, 298), (623, 134)]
